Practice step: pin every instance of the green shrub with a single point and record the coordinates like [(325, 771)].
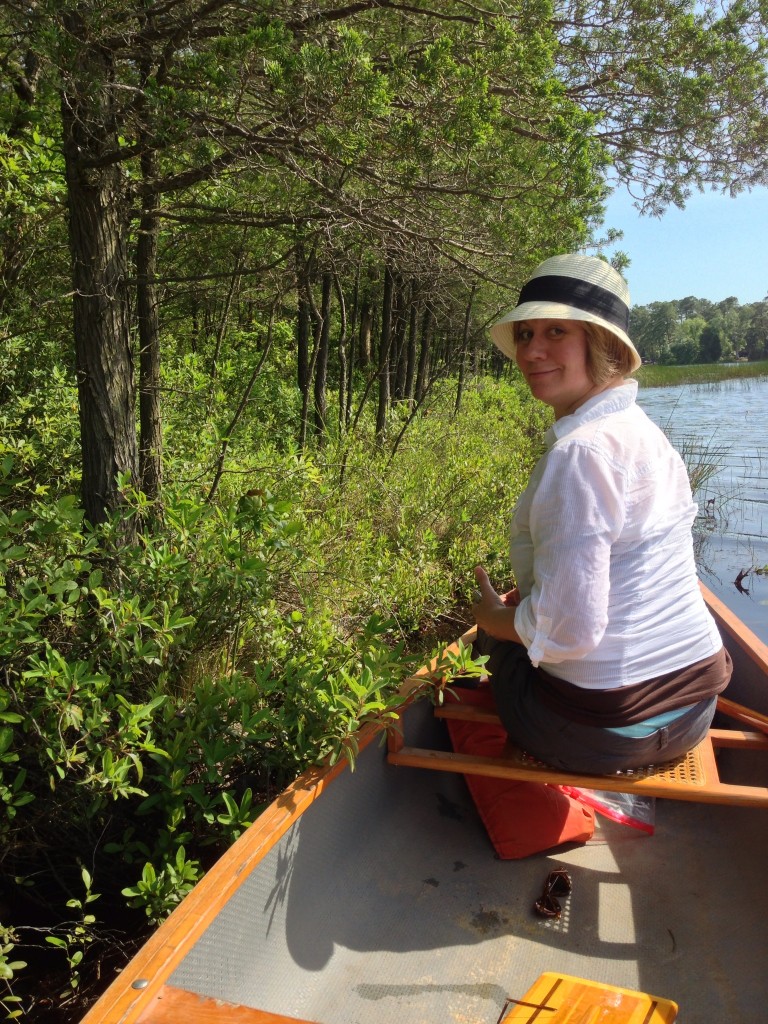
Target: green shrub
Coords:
[(156, 694)]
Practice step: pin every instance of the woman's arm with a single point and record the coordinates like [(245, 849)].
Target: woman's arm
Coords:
[(494, 612)]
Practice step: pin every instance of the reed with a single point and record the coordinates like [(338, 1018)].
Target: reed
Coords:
[(703, 460)]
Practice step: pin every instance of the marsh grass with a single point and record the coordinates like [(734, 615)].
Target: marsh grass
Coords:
[(653, 376), (703, 460)]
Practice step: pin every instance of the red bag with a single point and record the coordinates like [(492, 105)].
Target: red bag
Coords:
[(521, 818)]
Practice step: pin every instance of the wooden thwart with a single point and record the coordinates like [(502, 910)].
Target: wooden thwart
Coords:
[(694, 777)]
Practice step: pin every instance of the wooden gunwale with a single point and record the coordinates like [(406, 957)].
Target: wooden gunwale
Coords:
[(172, 1005), (728, 621)]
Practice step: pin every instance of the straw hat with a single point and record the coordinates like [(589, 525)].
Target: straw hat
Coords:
[(571, 287)]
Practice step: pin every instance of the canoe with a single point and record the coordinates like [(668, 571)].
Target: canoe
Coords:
[(373, 896)]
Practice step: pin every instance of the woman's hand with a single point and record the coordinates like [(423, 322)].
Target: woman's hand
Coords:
[(494, 612)]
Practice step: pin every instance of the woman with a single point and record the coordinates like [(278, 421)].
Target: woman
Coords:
[(605, 656)]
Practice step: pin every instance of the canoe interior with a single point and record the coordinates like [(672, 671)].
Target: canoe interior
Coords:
[(383, 903)]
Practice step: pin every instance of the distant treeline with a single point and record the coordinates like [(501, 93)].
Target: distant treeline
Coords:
[(692, 330)]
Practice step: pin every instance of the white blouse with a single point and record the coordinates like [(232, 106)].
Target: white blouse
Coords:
[(602, 552)]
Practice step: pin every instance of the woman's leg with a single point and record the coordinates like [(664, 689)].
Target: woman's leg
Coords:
[(562, 743)]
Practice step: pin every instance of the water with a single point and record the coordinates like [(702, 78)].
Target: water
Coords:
[(727, 422)]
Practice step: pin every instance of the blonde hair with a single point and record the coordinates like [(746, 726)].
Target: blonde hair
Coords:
[(607, 355)]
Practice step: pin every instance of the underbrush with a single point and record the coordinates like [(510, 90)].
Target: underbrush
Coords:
[(157, 693)]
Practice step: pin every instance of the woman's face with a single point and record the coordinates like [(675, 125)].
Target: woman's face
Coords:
[(552, 355)]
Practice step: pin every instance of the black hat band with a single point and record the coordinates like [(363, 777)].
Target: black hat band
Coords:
[(571, 291)]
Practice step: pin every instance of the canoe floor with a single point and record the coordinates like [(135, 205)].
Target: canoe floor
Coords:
[(384, 904)]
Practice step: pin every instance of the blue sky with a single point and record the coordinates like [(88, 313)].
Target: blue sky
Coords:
[(714, 248)]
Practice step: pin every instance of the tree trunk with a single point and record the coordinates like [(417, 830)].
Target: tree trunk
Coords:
[(464, 353), (426, 339), (342, 353), (302, 322), (385, 343), (399, 353), (351, 349), (98, 220), (321, 364), (364, 336), (410, 367), (150, 416)]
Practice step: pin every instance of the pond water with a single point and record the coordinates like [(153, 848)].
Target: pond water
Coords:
[(725, 426)]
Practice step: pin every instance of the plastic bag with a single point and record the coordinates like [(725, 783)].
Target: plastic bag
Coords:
[(626, 808)]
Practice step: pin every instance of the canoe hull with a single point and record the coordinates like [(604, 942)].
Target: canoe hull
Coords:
[(374, 896)]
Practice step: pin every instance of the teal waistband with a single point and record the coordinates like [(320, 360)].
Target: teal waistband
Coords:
[(650, 725)]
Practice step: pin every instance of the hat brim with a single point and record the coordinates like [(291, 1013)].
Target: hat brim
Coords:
[(502, 331)]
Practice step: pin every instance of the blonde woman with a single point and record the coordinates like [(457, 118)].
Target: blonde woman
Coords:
[(605, 656)]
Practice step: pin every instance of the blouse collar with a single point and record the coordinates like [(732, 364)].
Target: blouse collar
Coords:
[(615, 399)]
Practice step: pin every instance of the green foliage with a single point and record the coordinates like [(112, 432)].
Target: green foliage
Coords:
[(402, 536), (456, 664), (30, 170), (156, 694), (681, 353), (691, 330), (164, 674), (8, 968), (75, 938), (191, 386), (159, 892), (711, 344)]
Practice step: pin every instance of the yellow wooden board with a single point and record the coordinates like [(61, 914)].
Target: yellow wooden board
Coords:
[(562, 999)]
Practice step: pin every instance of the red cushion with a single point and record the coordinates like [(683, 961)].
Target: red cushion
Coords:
[(521, 818)]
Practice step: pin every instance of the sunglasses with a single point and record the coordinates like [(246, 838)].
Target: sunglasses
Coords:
[(558, 883)]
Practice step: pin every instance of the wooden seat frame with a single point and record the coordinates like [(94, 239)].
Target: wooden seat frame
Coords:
[(695, 777)]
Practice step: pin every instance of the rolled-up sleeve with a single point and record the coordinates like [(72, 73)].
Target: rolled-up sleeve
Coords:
[(576, 515)]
